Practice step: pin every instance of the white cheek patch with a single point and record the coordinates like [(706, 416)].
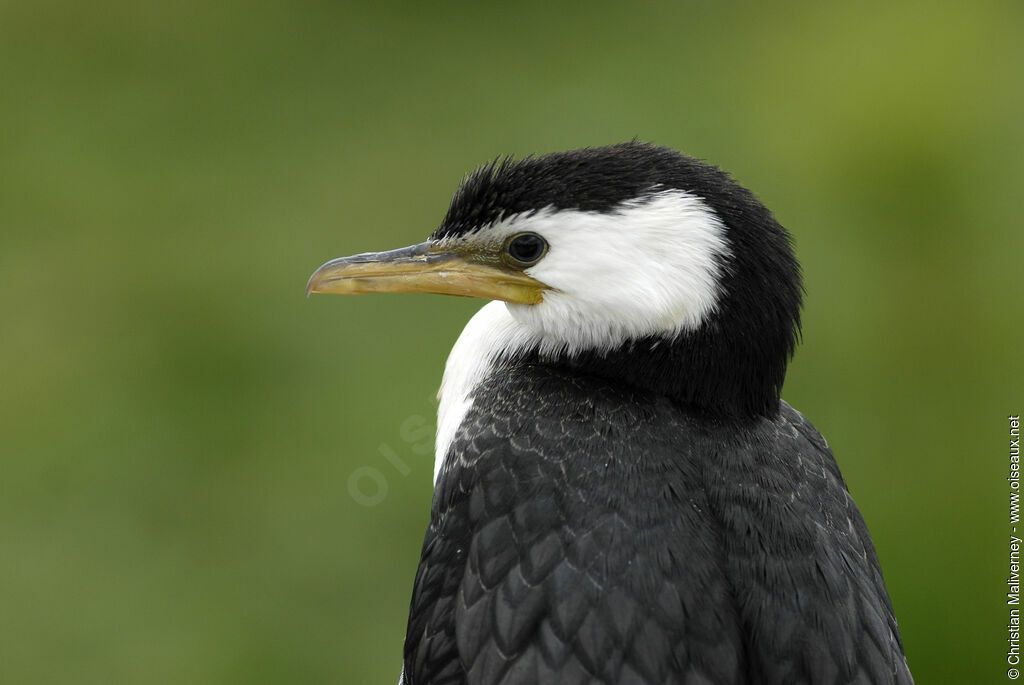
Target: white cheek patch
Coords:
[(652, 267)]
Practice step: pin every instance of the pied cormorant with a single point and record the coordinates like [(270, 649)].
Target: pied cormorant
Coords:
[(620, 494)]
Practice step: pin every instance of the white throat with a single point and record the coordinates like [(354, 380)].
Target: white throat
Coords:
[(491, 334)]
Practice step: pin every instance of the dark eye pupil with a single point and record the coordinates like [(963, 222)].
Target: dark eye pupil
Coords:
[(526, 248)]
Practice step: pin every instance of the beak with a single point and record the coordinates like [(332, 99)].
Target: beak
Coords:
[(427, 268)]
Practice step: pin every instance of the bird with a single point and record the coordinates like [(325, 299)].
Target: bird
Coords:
[(620, 493)]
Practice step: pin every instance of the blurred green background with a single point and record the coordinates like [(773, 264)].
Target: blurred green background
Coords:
[(181, 430)]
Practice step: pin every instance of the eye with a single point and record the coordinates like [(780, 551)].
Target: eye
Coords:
[(526, 249)]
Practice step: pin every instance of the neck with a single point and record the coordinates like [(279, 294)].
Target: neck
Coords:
[(698, 370)]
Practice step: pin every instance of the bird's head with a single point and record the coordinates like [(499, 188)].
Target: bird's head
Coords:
[(632, 261)]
